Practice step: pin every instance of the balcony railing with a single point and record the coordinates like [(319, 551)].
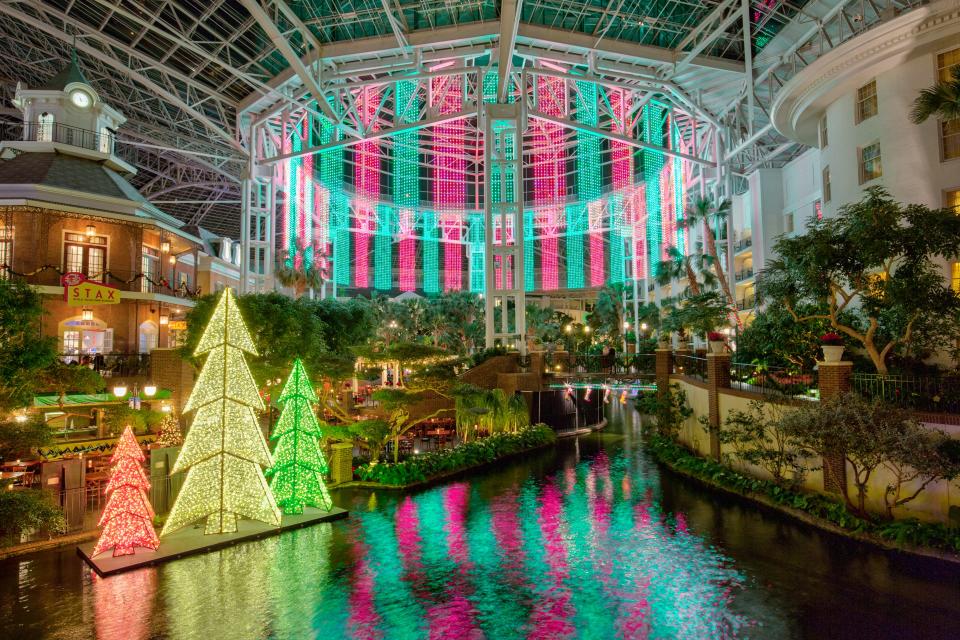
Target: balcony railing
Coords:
[(64, 134), (111, 365), (747, 303), (743, 243), (744, 274), (920, 393), (122, 279)]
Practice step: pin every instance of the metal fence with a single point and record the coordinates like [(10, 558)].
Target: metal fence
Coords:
[(620, 364), (758, 378), (111, 365), (919, 393), (690, 366), (64, 134)]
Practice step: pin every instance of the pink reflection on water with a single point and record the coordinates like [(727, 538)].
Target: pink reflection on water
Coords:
[(506, 529), (552, 614), (364, 622), (123, 604), (408, 539), (455, 617)]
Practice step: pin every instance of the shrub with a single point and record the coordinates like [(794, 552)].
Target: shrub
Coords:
[(26, 510), (758, 438), (670, 409), (425, 466)]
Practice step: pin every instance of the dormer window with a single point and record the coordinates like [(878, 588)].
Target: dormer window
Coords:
[(45, 128)]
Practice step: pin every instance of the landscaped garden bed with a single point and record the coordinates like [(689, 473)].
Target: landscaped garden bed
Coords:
[(427, 467)]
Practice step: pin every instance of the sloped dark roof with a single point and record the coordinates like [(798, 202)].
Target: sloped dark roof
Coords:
[(66, 172), (70, 73)]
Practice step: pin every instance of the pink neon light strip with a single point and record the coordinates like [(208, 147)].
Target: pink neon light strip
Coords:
[(408, 252), (367, 179), (621, 161), (667, 205), (549, 187), (285, 229), (449, 177), (306, 173)]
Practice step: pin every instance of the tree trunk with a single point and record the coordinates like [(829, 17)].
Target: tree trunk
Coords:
[(719, 270)]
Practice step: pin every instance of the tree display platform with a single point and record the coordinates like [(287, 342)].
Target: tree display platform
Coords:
[(191, 540)]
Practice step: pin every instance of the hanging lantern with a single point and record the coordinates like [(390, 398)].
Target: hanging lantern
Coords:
[(91, 230), (87, 314)]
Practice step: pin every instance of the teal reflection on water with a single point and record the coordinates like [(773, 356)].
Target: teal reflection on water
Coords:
[(586, 552)]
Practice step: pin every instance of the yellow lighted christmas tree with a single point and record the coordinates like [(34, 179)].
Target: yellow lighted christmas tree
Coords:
[(224, 449)]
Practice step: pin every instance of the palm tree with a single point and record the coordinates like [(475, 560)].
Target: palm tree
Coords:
[(704, 211), (298, 279), (941, 100), (682, 267)]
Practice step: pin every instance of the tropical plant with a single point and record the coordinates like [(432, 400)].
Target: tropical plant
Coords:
[(712, 216), (28, 510), (871, 273), (21, 437), (916, 457), (669, 407), (693, 268), (64, 378), (698, 314), (24, 354), (941, 100), (774, 338), (758, 438), (140, 420), (425, 466)]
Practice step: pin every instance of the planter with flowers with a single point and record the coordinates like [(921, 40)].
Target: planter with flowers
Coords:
[(718, 342), (832, 345)]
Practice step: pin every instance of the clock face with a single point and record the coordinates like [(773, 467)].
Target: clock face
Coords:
[(80, 98)]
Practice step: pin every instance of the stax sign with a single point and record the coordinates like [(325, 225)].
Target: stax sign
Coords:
[(80, 292)]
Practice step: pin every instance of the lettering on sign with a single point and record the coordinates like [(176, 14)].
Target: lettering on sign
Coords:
[(80, 292)]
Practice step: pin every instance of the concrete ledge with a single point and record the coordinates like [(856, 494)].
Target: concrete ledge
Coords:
[(192, 541)]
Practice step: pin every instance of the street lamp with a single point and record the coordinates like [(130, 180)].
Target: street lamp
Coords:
[(149, 390), (120, 390)]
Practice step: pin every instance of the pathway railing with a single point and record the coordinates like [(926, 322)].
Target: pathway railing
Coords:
[(935, 394), (767, 380), (690, 366)]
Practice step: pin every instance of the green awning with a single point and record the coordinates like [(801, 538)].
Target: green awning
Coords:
[(73, 399)]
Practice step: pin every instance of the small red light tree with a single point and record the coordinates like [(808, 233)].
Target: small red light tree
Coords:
[(127, 520)]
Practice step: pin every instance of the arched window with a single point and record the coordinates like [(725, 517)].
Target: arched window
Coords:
[(106, 140), (149, 336), (45, 128)]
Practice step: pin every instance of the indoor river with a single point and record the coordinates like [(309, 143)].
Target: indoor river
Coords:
[(587, 540)]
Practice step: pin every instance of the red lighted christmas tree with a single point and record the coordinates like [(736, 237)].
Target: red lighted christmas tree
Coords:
[(127, 520)]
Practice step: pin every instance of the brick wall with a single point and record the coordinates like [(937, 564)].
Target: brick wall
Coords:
[(170, 371)]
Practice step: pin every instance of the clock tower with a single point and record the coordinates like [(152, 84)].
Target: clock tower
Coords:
[(67, 113)]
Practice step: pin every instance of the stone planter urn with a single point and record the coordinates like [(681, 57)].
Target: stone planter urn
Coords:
[(718, 346), (832, 353)]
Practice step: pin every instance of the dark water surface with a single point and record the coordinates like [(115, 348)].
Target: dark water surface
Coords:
[(590, 540)]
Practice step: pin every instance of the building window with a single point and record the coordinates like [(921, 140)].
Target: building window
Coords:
[(955, 277), (946, 61), (6, 250), (950, 139), (951, 199), (106, 140), (85, 254), (817, 210), (45, 128), (826, 184), (149, 337), (867, 101), (150, 267), (788, 223), (71, 342), (824, 139), (871, 166)]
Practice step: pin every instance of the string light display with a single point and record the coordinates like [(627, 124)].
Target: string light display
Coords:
[(383, 248), (296, 478), (679, 194), (431, 253), (449, 175), (406, 181), (528, 250), (588, 191), (549, 187), (652, 167), (367, 184), (331, 177), (668, 215), (170, 433), (621, 159), (306, 195), (127, 519), (224, 449)]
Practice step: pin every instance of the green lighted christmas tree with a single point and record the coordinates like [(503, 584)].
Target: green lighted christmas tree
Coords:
[(298, 468), (224, 449)]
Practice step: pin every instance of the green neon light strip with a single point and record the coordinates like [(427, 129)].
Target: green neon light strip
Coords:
[(652, 167), (431, 253), (331, 176), (475, 236), (528, 252), (588, 181), (382, 249)]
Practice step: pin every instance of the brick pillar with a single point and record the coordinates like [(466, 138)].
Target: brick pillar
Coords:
[(169, 371), (664, 367), (834, 382), (718, 377), (341, 463)]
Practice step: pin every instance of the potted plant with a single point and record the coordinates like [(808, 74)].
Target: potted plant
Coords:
[(718, 342), (832, 345)]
